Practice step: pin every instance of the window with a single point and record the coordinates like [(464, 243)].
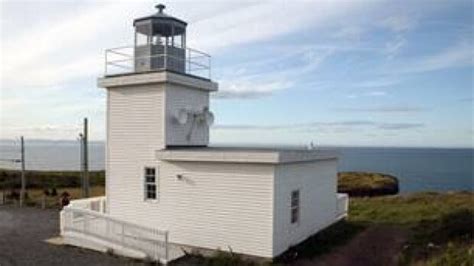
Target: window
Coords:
[(295, 206), (150, 183)]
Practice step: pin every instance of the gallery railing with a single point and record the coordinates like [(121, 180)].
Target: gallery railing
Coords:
[(138, 59)]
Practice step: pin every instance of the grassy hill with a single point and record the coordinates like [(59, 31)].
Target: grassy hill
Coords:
[(358, 184)]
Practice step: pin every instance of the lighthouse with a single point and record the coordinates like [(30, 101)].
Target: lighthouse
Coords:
[(169, 191)]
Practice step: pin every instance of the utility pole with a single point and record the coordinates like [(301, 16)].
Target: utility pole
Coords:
[(81, 164), (23, 177), (85, 159)]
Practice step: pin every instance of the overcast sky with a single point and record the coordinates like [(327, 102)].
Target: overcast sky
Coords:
[(352, 73)]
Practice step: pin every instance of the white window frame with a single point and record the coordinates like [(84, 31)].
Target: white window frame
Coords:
[(147, 183), (295, 207)]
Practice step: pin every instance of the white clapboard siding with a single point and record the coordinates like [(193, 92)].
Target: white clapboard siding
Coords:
[(194, 100), (317, 183), (213, 206), (134, 132)]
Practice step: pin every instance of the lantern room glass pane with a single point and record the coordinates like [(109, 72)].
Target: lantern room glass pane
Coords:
[(178, 41), (141, 39)]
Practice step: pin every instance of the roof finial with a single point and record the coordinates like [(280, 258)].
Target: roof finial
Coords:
[(160, 8)]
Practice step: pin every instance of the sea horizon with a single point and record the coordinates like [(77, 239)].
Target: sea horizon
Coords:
[(417, 168), (248, 144)]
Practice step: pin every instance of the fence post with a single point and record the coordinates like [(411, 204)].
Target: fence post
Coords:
[(166, 247), (165, 60), (123, 234), (62, 221), (85, 223), (43, 202), (107, 229)]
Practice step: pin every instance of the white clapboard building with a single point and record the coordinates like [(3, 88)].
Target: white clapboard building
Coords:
[(167, 190)]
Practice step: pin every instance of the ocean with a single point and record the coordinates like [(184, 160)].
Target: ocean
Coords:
[(418, 169)]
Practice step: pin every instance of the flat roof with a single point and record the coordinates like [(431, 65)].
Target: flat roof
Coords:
[(243, 155), (156, 76)]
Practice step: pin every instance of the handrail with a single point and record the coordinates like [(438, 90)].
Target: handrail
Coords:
[(80, 222), (110, 218)]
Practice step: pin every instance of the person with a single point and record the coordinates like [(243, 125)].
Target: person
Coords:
[(64, 199)]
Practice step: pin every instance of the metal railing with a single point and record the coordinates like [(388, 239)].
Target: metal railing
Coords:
[(89, 225), (124, 60)]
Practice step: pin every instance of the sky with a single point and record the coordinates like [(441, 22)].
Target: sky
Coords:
[(344, 73)]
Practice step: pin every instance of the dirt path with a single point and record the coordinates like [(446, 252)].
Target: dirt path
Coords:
[(377, 245)]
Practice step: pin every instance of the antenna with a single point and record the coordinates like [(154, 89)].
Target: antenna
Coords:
[(182, 116)]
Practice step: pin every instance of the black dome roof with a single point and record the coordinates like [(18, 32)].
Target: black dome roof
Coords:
[(161, 17)]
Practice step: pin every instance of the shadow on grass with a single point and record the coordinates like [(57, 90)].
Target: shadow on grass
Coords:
[(322, 242), (436, 238), (316, 245)]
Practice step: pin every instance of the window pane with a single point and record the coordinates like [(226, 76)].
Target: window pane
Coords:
[(150, 179), (295, 206), (294, 215), (295, 198), (150, 171), (151, 195)]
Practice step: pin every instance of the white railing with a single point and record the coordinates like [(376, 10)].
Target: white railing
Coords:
[(342, 205), (97, 204), (88, 224), (123, 60)]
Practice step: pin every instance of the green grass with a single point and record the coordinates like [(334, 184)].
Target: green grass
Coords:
[(408, 210), (454, 254), (48, 179), (36, 195), (441, 224)]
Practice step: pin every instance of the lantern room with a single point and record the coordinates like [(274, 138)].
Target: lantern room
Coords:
[(160, 42)]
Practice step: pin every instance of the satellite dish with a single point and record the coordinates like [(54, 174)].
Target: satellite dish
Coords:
[(182, 116), (209, 118)]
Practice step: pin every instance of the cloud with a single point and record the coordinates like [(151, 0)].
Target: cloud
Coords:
[(394, 46), (63, 49), (336, 126), (369, 94), (46, 131), (256, 79), (377, 93), (374, 83), (383, 109), (262, 21), (399, 23), (247, 89), (398, 126), (457, 55)]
